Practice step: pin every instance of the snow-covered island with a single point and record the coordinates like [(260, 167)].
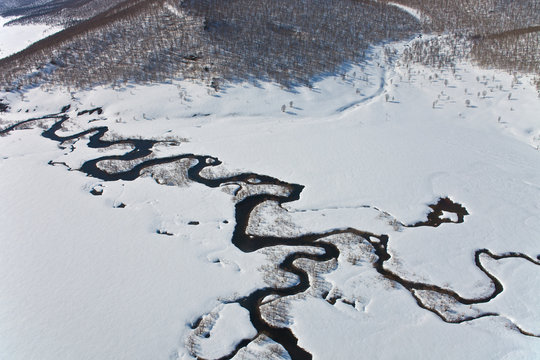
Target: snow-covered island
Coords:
[(389, 210)]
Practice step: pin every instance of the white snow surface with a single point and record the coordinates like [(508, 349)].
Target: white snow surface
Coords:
[(417, 14), (14, 38), (231, 327), (519, 277), (394, 327), (82, 279)]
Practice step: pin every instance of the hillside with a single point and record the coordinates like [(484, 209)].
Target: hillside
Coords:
[(145, 41), (216, 41)]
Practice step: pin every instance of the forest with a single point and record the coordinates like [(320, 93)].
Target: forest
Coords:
[(502, 34), (290, 43)]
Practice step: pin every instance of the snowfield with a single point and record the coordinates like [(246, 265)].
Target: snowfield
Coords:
[(82, 276), (14, 38)]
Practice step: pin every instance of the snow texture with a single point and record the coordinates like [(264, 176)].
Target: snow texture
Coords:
[(82, 278), (14, 38)]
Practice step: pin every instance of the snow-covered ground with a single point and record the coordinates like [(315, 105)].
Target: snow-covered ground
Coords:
[(373, 146), (417, 14), (14, 38), (83, 279)]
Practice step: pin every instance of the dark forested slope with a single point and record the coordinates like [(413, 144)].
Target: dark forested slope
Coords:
[(115, 41), (155, 40)]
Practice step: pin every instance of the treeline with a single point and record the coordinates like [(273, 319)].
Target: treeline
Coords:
[(214, 40), (502, 34), (511, 51), (117, 41), (476, 17)]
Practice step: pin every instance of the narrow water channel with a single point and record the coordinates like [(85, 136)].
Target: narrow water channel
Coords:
[(247, 243)]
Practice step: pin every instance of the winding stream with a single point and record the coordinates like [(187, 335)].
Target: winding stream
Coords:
[(248, 243)]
